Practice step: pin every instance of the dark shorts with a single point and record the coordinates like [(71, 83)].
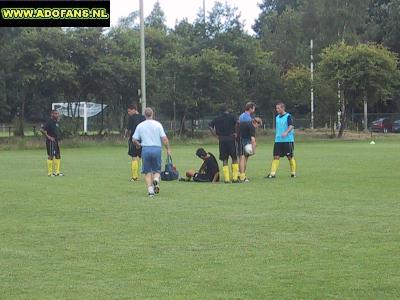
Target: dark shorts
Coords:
[(151, 160), (241, 144), (133, 151), (284, 149), (227, 148), (198, 177), (53, 149)]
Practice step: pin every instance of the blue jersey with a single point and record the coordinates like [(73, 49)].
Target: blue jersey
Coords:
[(245, 117), (282, 124)]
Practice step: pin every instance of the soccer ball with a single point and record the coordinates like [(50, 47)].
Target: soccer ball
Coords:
[(248, 149)]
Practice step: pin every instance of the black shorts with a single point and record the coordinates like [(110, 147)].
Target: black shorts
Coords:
[(227, 148), (133, 151), (53, 149), (198, 177), (284, 149), (241, 144)]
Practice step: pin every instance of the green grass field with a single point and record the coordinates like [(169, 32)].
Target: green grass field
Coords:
[(332, 233)]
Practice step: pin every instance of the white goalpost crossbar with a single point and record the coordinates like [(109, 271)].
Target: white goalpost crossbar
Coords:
[(83, 110)]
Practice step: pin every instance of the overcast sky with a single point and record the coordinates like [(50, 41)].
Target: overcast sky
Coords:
[(180, 9)]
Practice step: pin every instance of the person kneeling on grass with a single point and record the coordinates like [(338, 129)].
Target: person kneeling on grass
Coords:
[(209, 170)]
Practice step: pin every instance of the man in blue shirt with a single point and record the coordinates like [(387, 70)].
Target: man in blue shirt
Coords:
[(249, 110), (247, 137), (284, 141), (245, 123)]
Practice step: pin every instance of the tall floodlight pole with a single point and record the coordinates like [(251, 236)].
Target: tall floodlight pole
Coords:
[(312, 84), (204, 10), (142, 58), (204, 18)]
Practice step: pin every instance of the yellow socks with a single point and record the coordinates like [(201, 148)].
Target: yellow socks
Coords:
[(235, 172), (225, 170), (242, 176), (57, 166), (49, 167), (293, 166), (135, 169), (275, 166)]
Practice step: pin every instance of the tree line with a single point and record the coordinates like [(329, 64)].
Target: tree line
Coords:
[(195, 67)]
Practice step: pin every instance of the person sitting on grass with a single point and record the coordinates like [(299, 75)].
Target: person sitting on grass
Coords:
[(209, 170)]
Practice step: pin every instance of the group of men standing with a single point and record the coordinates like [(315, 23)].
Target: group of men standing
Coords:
[(233, 135), (236, 136)]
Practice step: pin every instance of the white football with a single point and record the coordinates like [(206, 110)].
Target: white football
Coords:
[(248, 149)]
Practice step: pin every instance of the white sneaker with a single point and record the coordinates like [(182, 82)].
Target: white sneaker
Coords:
[(156, 185)]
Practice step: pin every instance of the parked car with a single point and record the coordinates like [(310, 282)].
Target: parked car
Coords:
[(396, 126), (381, 125)]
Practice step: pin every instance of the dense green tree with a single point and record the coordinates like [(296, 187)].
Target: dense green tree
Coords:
[(367, 74), (4, 65), (377, 26), (223, 18), (297, 84), (286, 27), (156, 19), (197, 85), (195, 67), (40, 71)]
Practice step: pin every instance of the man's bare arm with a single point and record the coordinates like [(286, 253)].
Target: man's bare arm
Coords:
[(44, 132), (216, 176), (136, 143), (290, 128), (166, 144), (202, 168), (127, 133), (254, 144), (212, 130)]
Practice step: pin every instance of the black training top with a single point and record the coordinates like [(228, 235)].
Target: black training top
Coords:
[(210, 166), (224, 125), (247, 130), (52, 129), (133, 122)]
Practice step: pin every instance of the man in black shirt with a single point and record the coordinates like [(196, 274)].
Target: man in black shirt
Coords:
[(247, 131), (209, 170), (224, 127), (134, 119), (52, 133)]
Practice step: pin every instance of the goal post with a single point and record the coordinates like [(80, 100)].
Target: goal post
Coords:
[(83, 110)]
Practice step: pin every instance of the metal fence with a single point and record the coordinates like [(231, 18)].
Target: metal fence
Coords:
[(7, 130), (355, 122), (301, 122)]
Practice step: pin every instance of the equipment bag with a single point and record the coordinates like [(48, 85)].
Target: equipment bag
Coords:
[(170, 172)]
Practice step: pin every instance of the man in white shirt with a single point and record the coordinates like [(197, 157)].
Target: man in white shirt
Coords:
[(150, 135)]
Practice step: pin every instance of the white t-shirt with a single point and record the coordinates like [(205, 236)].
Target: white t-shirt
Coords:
[(149, 133)]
